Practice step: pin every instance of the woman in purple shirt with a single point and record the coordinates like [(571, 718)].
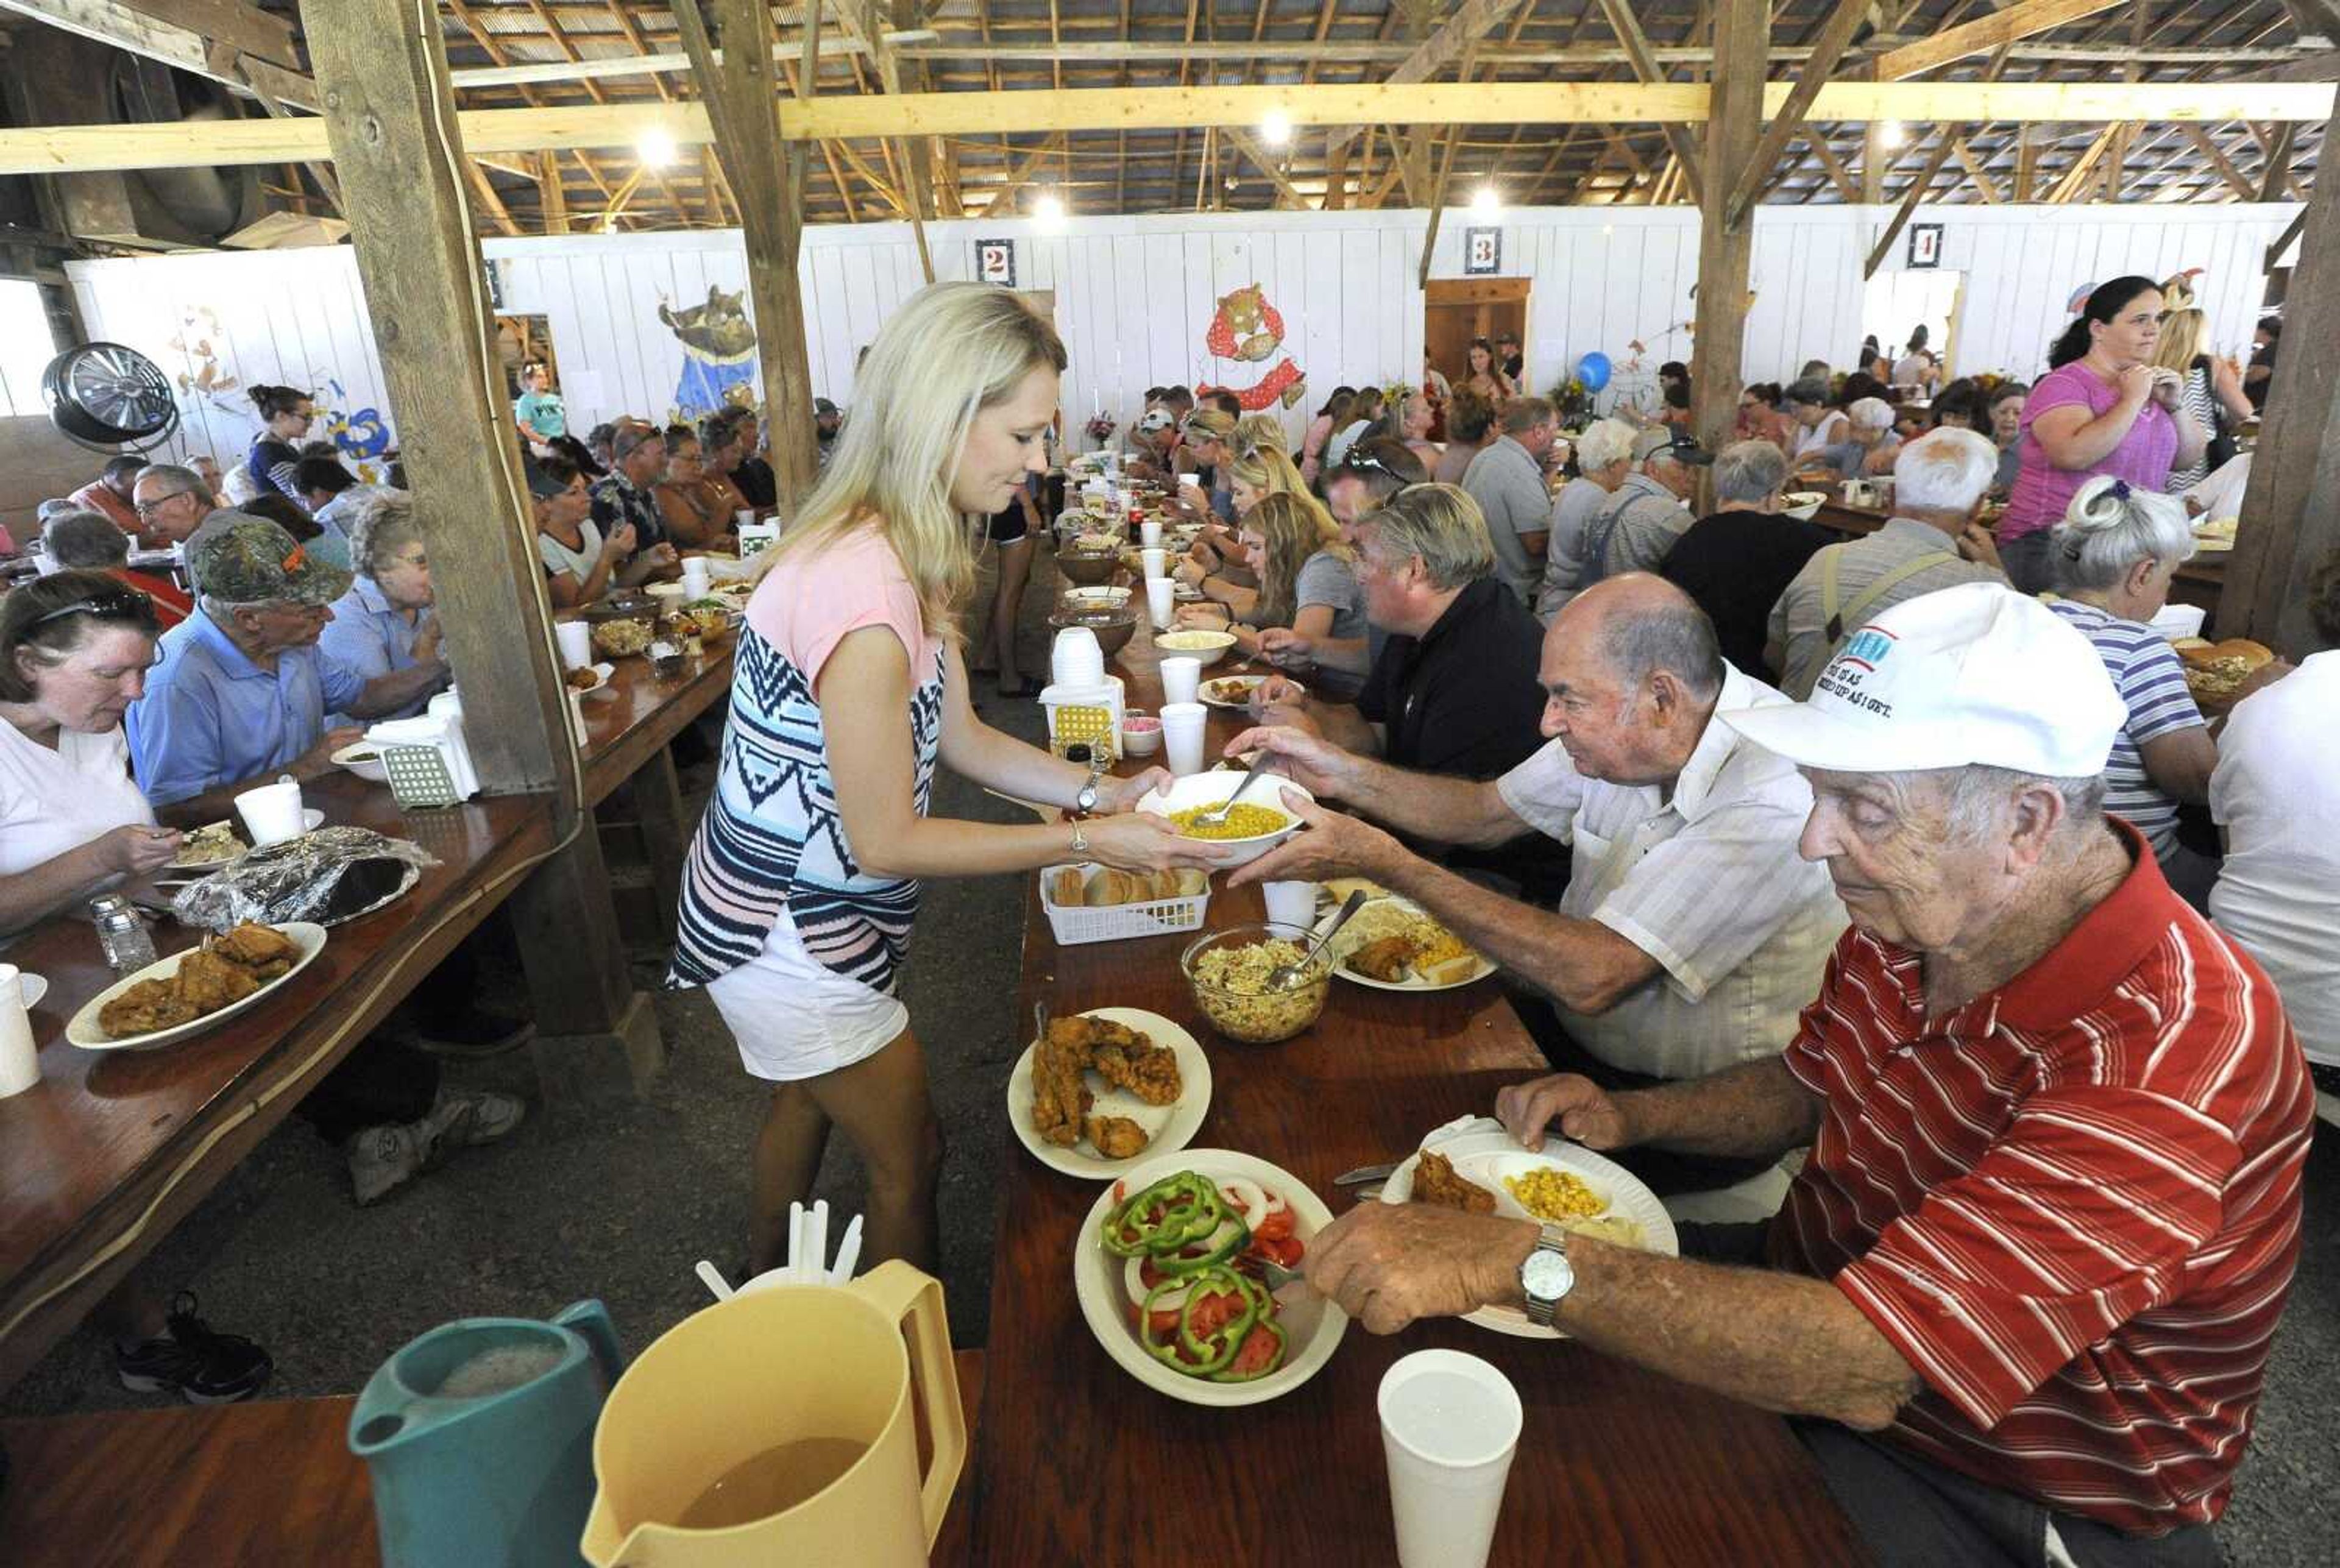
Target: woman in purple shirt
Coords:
[(2104, 408)]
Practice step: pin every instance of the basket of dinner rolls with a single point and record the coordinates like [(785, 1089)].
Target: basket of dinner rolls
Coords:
[(1090, 903)]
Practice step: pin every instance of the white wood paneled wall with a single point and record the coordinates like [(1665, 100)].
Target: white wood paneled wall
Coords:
[(1134, 296)]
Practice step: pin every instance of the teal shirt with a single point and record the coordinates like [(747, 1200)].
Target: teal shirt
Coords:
[(541, 413)]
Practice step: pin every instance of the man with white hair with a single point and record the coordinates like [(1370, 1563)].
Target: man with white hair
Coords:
[(1649, 511), (2051, 1211), (1604, 456), (1738, 561), (1931, 541)]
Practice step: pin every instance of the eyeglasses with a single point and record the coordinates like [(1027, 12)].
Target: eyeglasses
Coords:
[(115, 604), (149, 507), (1354, 465)]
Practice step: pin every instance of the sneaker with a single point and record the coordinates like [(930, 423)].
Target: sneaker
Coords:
[(384, 1158), (474, 1035), (465, 1118), (205, 1366)]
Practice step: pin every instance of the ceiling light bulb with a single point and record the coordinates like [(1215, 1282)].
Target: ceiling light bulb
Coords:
[(1485, 202), (656, 149), (1890, 134), (1049, 210), (1276, 129)]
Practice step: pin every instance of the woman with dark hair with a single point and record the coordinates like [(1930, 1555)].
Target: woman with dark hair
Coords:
[(695, 503), (2104, 408), (1761, 418), (1483, 375), (1470, 426), (286, 414), (1333, 416), (89, 542), (2259, 375), (1960, 406)]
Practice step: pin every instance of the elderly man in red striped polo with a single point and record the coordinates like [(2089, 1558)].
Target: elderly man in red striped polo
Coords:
[(2025, 1283)]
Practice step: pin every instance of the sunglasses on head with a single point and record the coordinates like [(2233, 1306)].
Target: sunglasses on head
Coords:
[(115, 604), (1367, 464)]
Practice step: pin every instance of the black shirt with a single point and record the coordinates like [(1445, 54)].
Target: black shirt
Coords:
[(1736, 564), (753, 479)]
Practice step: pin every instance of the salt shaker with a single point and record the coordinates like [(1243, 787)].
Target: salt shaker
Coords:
[(122, 932)]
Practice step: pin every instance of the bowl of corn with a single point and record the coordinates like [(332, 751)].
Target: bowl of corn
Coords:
[(1257, 823)]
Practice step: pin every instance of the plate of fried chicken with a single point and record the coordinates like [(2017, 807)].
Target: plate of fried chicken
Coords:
[(1104, 1086), (189, 992)]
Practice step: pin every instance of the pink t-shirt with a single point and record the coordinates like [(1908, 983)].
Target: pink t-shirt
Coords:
[(808, 604), (2042, 490)]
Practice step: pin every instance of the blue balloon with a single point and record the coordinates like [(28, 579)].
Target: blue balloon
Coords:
[(1592, 369)]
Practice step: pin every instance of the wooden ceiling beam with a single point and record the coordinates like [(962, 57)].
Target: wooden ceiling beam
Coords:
[(1835, 37), (1646, 68), (1980, 38), (1919, 188), (1471, 21), (1977, 170), (2243, 189)]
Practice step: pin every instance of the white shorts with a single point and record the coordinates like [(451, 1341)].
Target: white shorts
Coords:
[(795, 1019)]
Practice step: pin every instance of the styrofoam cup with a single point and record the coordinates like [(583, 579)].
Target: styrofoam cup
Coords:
[(1182, 725), (1075, 659), (695, 581), (1158, 563), (576, 639), (1181, 679), (271, 813), (1162, 603), (20, 1058), (1149, 532), (1289, 903), (1450, 1424)]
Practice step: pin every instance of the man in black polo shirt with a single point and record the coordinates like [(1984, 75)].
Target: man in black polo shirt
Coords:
[(1454, 690), (1738, 562)]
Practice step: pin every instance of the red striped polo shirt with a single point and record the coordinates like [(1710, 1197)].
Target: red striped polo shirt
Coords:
[(2073, 1204)]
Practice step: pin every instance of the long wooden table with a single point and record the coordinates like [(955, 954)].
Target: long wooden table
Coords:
[(1079, 1463), (112, 1148), (631, 727)]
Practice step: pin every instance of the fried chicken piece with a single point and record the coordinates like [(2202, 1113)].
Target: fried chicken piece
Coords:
[(207, 982), (1146, 1070), (263, 950), (144, 1008), (1386, 959), (1436, 1183), (1058, 1099), (1115, 1137)]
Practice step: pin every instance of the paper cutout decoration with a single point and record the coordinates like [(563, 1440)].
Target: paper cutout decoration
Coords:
[(1248, 329)]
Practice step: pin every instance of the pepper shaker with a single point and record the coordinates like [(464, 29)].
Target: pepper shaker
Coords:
[(122, 932)]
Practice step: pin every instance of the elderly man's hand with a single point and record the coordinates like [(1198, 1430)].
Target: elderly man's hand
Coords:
[(1304, 755), (1388, 1264), (1577, 1106), (1978, 544), (1331, 846), (1286, 649)]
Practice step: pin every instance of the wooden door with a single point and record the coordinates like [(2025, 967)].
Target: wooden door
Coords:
[(1457, 310)]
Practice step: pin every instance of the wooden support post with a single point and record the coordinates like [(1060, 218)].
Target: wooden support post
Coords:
[(1265, 161), (552, 195), (2291, 513), (390, 114), (741, 100), (2278, 162), (1437, 205), (1743, 32), (2243, 189)]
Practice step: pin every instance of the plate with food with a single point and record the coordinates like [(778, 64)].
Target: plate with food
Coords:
[(189, 992), (1257, 823), (590, 680), (2216, 671), (2214, 534), (1236, 692), (1474, 1164), (1188, 1315), (1209, 647), (365, 760), (1392, 944), (213, 843), (1104, 1086)]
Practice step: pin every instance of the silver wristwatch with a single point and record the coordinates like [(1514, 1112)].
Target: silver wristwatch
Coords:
[(1546, 1275)]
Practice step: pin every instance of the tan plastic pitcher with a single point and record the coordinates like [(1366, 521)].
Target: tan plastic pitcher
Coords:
[(776, 1428)]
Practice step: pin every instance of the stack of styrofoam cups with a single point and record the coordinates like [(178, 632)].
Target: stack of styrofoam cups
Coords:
[(1162, 600), (695, 577), (1180, 677), (1075, 659), (1182, 736)]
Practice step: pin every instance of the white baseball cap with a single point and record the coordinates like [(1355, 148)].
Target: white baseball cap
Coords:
[(1976, 673)]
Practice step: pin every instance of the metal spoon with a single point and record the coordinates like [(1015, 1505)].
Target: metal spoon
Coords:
[(1218, 814), (1289, 975)]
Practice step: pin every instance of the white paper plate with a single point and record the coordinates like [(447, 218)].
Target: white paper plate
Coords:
[(1313, 1326), (1481, 1151), (32, 988), (1169, 1128), (187, 863), (84, 1031), (1479, 973), (1251, 684)]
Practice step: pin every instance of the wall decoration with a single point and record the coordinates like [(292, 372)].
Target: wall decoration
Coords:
[(1483, 252), (719, 349), (359, 435), (1925, 244), (1248, 329), (994, 263)]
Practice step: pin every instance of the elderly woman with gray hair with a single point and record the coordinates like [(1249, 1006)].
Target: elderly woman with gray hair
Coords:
[(1738, 562), (2114, 554), (91, 541), (1868, 445), (1604, 456), (385, 621)]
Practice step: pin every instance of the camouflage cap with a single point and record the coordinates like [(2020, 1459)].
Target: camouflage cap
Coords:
[(239, 559)]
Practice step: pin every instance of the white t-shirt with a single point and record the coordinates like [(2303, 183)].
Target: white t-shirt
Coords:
[(2276, 791), (52, 801)]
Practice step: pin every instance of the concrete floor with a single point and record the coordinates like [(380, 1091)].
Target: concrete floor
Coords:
[(617, 1200)]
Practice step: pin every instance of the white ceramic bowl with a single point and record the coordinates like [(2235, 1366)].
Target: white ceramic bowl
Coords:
[(1313, 1326), (1209, 647), (1210, 789), (365, 760), (1802, 504)]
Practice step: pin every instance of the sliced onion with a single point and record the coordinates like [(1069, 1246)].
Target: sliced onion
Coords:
[(1275, 1203), (1247, 1195), (1170, 1300)]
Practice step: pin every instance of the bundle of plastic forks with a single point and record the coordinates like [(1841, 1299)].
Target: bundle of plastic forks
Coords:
[(808, 1249)]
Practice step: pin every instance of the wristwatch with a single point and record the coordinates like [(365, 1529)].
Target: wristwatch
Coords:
[(1545, 1275), (1085, 801)]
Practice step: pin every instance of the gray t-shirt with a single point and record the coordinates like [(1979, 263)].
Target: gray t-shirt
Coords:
[(1325, 579), (579, 562), (1509, 487)]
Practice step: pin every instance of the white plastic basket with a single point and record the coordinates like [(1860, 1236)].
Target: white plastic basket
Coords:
[(1074, 923)]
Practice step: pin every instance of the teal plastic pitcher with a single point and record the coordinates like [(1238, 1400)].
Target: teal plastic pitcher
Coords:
[(480, 1438)]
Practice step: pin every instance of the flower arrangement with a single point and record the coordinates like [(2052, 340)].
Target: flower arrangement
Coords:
[(1574, 400)]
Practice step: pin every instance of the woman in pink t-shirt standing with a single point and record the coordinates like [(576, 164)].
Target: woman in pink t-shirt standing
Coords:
[(801, 889), (2104, 408)]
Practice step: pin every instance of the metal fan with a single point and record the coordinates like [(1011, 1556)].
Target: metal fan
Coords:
[(108, 397)]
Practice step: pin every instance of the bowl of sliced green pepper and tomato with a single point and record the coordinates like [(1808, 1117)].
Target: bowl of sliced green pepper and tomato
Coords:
[(1167, 1272)]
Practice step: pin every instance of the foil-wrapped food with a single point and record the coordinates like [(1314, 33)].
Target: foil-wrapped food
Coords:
[(328, 876)]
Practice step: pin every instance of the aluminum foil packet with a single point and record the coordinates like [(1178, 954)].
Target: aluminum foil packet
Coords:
[(330, 876)]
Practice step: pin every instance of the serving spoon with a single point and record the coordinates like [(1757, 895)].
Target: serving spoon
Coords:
[(1286, 977), (1219, 813)]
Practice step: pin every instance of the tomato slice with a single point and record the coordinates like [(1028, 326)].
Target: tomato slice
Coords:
[(1258, 1354), (1276, 1227), (1213, 1312)]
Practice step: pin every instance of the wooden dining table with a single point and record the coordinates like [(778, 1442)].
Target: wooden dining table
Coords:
[(111, 1148), (1079, 1463)]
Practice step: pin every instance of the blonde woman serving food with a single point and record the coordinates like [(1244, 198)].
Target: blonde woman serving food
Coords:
[(799, 893)]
